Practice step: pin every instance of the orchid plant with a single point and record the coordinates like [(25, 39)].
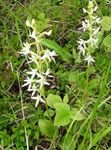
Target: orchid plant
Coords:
[(38, 59), (91, 25)]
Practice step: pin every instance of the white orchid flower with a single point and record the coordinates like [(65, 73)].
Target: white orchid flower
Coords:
[(33, 72), (30, 24), (26, 49), (28, 82), (37, 60), (84, 10), (89, 59), (49, 55), (38, 99), (33, 89), (47, 73), (42, 81), (33, 35), (82, 46)]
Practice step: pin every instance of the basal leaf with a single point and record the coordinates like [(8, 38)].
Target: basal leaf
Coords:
[(106, 23), (49, 113), (76, 114), (52, 99), (65, 99), (47, 128), (107, 41), (63, 116), (67, 143)]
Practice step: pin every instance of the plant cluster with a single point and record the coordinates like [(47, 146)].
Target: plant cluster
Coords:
[(57, 96), (38, 59), (91, 25)]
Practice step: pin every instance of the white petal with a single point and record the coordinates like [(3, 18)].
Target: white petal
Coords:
[(36, 104), (27, 23), (84, 10), (98, 20), (95, 8), (33, 35), (49, 33), (46, 83), (89, 59), (33, 22), (38, 99)]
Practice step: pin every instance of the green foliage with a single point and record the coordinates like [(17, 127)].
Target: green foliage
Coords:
[(63, 116), (69, 143), (42, 23), (73, 77), (107, 42), (66, 99), (49, 113), (59, 50), (77, 113), (100, 135), (106, 23), (47, 128), (53, 99)]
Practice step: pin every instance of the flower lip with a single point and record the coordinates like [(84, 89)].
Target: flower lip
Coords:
[(38, 99), (47, 73), (89, 59), (84, 10)]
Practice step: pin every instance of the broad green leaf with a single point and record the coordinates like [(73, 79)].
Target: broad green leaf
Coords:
[(66, 99), (106, 23), (68, 144), (63, 116), (47, 128), (76, 114), (58, 49), (52, 99), (107, 41)]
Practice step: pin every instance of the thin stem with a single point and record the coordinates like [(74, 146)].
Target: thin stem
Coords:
[(23, 114)]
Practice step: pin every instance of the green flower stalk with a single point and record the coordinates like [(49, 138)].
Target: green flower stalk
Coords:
[(92, 27), (38, 59)]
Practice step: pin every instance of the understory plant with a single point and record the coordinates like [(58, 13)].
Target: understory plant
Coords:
[(72, 85), (90, 26), (38, 59)]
